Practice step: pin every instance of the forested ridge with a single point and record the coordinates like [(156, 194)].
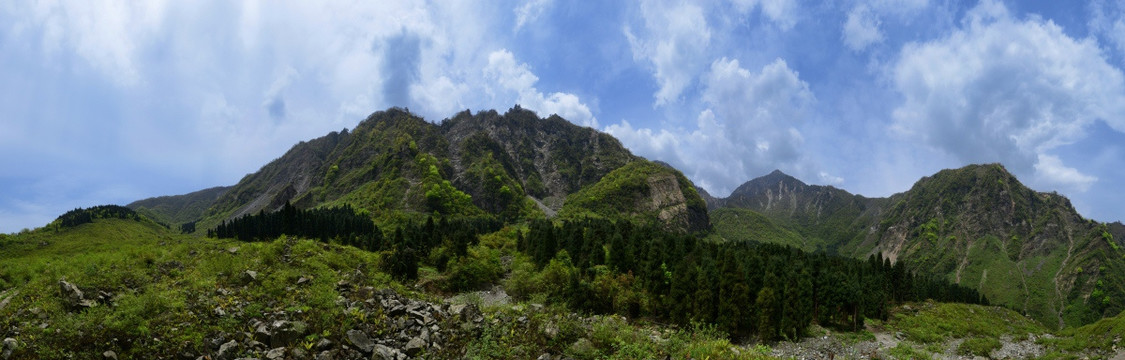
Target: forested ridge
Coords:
[(616, 267)]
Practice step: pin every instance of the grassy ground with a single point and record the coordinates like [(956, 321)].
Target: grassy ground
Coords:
[(160, 295)]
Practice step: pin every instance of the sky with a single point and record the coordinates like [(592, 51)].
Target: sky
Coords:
[(107, 102)]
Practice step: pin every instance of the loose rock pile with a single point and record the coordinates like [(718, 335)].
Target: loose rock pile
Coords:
[(395, 328)]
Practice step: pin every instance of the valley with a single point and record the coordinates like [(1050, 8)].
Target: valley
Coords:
[(503, 236)]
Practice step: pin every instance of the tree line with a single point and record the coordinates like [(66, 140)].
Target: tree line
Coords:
[(341, 224), (81, 216), (605, 266), (743, 288), (407, 244)]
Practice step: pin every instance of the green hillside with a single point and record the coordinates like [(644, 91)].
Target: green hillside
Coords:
[(644, 192), (977, 226), (397, 166), (179, 210), (736, 224)]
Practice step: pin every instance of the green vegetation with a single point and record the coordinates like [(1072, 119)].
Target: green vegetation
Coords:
[(978, 346), (931, 322), (641, 192), (737, 224), (180, 209), (161, 293), (606, 267), (1102, 335)]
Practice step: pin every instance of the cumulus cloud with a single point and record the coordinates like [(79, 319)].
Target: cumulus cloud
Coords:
[(781, 12), (861, 29), (673, 40), (749, 128), (1000, 89), (530, 11), (514, 77), (1107, 20), (1050, 170)]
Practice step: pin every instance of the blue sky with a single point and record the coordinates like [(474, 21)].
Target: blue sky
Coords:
[(113, 101)]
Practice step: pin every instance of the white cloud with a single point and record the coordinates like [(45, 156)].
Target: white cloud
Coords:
[(781, 12), (674, 41), (749, 128), (1050, 170), (829, 178), (1107, 19), (861, 29), (513, 77), (1004, 90), (530, 11), (107, 35)]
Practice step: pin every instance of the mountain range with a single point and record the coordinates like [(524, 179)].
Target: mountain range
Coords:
[(977, 225)]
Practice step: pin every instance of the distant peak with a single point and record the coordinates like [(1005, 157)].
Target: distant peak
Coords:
[(777, 172)]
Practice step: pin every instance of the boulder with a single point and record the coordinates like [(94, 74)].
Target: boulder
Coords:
[(414, 347), (360, 340), (75, 299), (109, 354), (249, 276), (262, 333), (227, 350), (286, 332), (10, 345), (276, 353), (383, 352)]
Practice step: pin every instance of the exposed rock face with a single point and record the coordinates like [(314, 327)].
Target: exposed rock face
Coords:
[(666, 199)]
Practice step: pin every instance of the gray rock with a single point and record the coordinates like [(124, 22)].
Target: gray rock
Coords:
[(398, 310), (324, 355), (262, 333), (276, 353), (414, 347), (227, 351), (10, 346), (109, 354), (324, 344), (233, 250), (383, 352), (360, 340), (286, 332), (545, 356), (550, 330), (298, 353), (249, 276), (74, 296)]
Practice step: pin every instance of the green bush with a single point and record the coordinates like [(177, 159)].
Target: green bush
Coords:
[(978, 346)]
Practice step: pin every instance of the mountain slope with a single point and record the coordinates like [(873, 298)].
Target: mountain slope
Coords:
[(395, 166), (645, 192), (823, 215), (178, 209), (978, 226)]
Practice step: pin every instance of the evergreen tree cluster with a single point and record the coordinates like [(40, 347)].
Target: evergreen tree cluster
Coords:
[(408, 244), (744, 288), (411, 242), (81, 216), (342, 224)]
